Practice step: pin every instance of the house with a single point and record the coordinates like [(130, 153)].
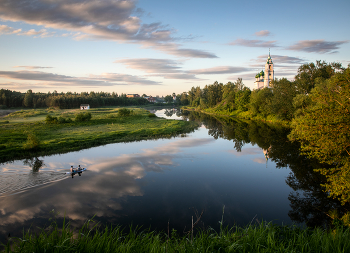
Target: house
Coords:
[(151, 99), (132, 95), (263, 79), (84, 107)]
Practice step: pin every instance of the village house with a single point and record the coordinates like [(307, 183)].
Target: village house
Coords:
[(151, 99), (132, 95)]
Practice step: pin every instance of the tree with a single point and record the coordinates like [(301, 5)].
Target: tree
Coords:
[(168, 99), (323, 128), (242, 99), (282, 101), (28, 99), (260, 102), (308, 73)]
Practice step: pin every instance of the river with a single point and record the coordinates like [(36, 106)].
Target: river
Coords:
[(243, 172)]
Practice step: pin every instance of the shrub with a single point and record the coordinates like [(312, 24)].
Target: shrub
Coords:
[(151, 115), (123, 112), (62, 120), (50, 119), (83, 116), (32, 142)]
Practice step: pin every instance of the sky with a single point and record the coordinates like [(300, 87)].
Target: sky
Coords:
[(157, 47)]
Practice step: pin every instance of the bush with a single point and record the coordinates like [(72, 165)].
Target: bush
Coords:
[(123, 112), (50, 120), (83, 116), (151, 115), (62, 120), (32, 142)]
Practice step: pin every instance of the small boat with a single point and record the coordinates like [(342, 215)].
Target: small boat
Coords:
[(74, 171)]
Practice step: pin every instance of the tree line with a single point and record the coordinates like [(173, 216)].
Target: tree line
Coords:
[(317, 106), (69, 100), (283, 101)]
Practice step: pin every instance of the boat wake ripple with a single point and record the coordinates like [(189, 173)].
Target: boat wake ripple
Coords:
[(12, 183)]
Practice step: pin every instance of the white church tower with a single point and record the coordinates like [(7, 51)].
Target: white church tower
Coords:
[(263, 79), (269, 72)]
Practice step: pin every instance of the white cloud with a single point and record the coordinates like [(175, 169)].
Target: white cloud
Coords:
[(4, 29), (92, 19), (263, 33), (50, 79), (253, 43), (317, 46)]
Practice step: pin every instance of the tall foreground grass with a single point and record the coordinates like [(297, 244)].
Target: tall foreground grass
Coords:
[(263, 237)]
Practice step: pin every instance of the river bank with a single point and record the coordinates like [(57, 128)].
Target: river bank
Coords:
[(247, 115), (26, 133), (261, 237)]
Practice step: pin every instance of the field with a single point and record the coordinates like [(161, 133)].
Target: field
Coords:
[(28, 133)]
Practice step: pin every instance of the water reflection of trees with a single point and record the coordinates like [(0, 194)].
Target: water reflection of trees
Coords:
[(35, 163), (309, 201)]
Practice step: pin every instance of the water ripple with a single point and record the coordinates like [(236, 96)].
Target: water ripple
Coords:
[(12, 183)]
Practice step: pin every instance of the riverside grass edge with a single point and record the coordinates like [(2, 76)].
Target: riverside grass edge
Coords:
[(27, 133), (259, 237)]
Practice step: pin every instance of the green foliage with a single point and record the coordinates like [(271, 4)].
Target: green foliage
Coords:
[(323, 128), (308, 74), (83, 116), (60, 138), (284, 92), (28, 99), (168, 99), (260, 101), (152, 115), (263, 237), (60, 120), (124, 112), (300, 103), (50, 119), (32, 142), (242, 99)]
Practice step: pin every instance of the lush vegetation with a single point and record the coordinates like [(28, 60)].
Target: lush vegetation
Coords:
[(316, 106), (33, 132), (282, 102), (262, 237), (69, 100)]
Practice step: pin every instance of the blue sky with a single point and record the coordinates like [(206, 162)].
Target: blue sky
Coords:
[(157, 47)]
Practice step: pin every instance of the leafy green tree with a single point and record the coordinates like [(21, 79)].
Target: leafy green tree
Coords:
[(184, 99), (28, 99), (168, 99), (242, 99), (308, 73), (284, 92), (324, 131), (260, 102)]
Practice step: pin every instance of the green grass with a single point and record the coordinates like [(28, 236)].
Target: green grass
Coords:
[(25, 133), (263, 237)]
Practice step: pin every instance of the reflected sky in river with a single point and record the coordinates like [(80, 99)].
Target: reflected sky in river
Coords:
[(150, 183)]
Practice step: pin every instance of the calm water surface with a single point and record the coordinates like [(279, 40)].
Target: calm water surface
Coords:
[(152, 182)]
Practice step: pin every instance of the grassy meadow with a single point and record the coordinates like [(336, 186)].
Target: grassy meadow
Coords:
[(28, 133)]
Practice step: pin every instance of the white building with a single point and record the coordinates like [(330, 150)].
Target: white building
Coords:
[(84, 107), (263, 79)]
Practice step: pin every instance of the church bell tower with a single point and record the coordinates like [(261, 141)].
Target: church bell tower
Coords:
[(269, 72)]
